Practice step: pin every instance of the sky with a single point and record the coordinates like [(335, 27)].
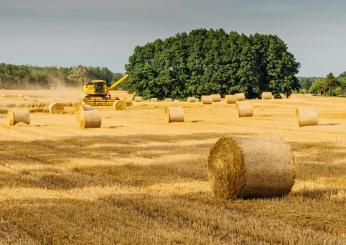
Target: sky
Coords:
[(105, 32)]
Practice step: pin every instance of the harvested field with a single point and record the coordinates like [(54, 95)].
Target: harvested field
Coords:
[(138, 179)]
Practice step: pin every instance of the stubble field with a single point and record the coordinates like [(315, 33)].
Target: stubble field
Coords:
[(139, 180)]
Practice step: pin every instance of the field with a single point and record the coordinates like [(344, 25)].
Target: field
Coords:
[(138, 180)]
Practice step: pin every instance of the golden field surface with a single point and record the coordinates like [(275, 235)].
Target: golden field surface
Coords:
[(139, 180)]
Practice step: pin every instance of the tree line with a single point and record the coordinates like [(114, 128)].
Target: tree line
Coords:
[(212, 61), (25, 76), (328, 85)]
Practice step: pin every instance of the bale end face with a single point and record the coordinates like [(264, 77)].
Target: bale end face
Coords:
[(250, 167), (226, 169), (174, 114), (18, 116), (306, 116)]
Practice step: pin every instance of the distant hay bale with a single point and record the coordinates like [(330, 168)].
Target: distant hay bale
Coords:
[(230, 99), (168, 100), (89, 119), (216, 97), (191, 99), (244, 109), (56, 108), (267, 96), (120, 105), (206, 99), (248, 167), (240, 96), (154, 100), (138, 99), (174, 114), (307, 116), (17, 116), (283, 96)]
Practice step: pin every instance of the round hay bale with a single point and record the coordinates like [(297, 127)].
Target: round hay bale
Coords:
[(206, 99), (307, 116), (154, 100), (174, 114), (138, 99), (283, 96), (89, 119), (248, 167), (120, 105), (240, 96), (168, 100), (191, 99), (267, 96), (244, 109), (17, 116), (79, 107), (56, 108), (230, 99), (216, 97)]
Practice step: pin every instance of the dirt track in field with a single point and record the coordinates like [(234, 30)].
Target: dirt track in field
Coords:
[(140, 180)]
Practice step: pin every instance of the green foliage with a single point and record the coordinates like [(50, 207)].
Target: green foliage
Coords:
[(212, 61), (23, 76), (305, 83), (330, 85)]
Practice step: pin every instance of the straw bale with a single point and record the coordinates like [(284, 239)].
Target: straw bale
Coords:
[(89, 119), (244, 109), (154, 100), (216, 97), (307, 116), (267, 96), (174, 114), (56, 108), (206, 99), (191, 99), (16, 116), (230, 99), (240, 96), (138, 99)]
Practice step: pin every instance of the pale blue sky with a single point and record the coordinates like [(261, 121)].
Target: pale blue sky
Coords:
[(104, 32)]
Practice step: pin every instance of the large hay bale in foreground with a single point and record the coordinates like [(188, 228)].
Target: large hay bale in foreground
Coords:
[(244, 109), (56, 107), (18, 116), (89, 119), (206, 99), (120, 105), (247, 167), (216, 97), (307, 116), (240, 96), (230, 99), (174, 114), (138, 99), (191, 99), (267, 96)]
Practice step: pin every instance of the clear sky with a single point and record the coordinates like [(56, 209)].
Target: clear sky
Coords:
[(105, 32)]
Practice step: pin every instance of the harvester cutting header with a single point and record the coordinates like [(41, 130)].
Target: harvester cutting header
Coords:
[(97, 92)]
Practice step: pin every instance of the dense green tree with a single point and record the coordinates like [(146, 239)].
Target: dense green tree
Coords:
[(212, 61)]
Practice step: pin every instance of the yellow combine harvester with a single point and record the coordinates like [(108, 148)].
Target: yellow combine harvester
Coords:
[(97, 92)]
